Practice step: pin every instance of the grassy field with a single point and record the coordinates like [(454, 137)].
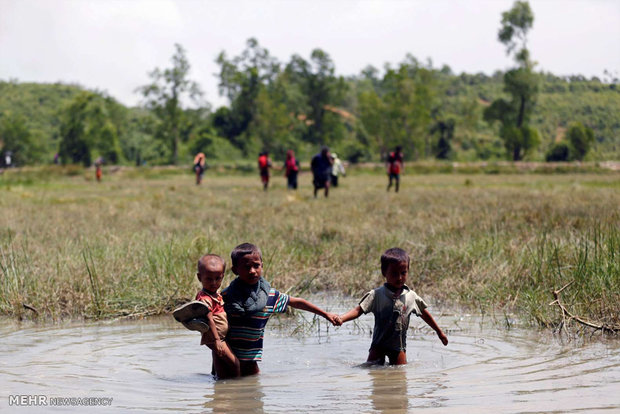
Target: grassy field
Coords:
[(71, 247)]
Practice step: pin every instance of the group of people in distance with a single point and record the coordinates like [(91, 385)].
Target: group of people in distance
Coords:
[(232, 322), (326, 169)]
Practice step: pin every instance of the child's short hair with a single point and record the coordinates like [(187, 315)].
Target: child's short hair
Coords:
[(394, 255), (243, 250), (204, 259)]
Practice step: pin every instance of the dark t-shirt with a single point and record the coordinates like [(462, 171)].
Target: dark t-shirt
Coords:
[(321, 166)]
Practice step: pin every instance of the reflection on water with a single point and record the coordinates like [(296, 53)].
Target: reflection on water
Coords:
[(389, 389), (238, 395), (158, 365)]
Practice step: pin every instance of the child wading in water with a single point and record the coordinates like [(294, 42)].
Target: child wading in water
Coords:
[(211, 270), (392, 305), (250, 301)]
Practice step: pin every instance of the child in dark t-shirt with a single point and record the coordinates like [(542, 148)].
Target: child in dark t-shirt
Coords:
[(392, 304)]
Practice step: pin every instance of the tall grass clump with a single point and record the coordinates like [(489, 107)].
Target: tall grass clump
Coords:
[(589, 267), (17, 280)]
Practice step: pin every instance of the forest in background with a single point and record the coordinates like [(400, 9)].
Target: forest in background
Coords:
[(303, 104)]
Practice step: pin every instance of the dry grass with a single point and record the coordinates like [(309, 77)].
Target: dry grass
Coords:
[(72, 247)]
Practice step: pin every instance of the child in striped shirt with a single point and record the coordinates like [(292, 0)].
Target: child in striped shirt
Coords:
[(250, 301)]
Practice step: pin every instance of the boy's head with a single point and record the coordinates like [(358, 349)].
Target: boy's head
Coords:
[(395, 266), (211, 268), (247, 263)]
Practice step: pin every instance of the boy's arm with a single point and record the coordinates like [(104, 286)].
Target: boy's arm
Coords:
[(299, 303), (219, 346), (427, 317), (352, 314)]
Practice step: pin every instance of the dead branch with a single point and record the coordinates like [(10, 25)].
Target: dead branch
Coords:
[(566, 315), (26, 306)]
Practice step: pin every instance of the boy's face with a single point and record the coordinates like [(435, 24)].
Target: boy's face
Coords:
[(396, 274), (249, 269), (211, 277)]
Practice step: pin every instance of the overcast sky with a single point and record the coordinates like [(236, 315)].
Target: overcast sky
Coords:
[(111, 45)]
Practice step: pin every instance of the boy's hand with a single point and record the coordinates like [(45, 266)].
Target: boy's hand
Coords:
[(334, 319), (219, 347), (443, 338)]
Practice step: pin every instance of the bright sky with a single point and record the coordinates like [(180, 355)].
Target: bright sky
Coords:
[(111, 45)]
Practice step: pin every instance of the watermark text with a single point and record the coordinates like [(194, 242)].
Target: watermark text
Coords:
[(31, 400)]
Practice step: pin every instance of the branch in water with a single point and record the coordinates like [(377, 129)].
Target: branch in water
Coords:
[(566, 314)]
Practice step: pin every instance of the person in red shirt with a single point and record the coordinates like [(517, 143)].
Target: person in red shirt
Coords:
[(395, 166), (264, 164), (98, 171), (211, 269), (291, 169)]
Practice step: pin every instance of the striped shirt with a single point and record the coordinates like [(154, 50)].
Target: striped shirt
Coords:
[(246, 332)]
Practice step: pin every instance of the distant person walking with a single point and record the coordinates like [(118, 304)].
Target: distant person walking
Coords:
[(321, 171), (264, 164), (337, 169), (395, 166), (291, 169), (199, 166), (98, 171)]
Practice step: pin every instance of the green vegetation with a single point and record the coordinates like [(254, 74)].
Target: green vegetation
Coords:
[(520, 83), (89, 127), (488, 242), (301, 104), (164, 96)]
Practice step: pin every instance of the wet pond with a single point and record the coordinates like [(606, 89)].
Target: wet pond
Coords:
[(157, 365)]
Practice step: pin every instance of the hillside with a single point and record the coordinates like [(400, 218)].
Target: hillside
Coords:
[(459, 97)]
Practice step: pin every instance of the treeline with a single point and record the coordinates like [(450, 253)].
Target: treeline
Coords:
[(302, 104)]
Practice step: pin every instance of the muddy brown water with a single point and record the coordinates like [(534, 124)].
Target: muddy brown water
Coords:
[(157, 365)]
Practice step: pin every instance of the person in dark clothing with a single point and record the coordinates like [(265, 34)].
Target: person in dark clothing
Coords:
[(321, 171)]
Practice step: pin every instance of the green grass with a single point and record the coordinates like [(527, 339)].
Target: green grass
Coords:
[(71, 247)]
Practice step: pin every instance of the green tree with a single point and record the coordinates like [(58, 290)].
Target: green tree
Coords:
[(243, 79), (521, 84), (75, 145), (139, 144), (16, 138), (323, 92), (581, 139), (164, 96), (516, 22), (410, 97), (88, 128), (372, 114)]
